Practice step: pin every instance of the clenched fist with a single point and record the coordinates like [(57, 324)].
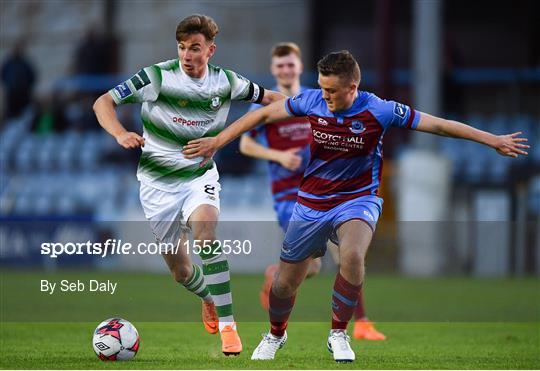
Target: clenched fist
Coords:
[(130, 140)]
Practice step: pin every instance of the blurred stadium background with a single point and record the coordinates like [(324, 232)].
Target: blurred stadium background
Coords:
[(451, 207)]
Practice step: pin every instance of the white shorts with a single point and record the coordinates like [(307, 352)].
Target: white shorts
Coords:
[(169, 212)]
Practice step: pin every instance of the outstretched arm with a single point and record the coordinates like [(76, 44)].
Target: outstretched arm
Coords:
[(271, 96), (104, 109), (511, 145), (206, 147)]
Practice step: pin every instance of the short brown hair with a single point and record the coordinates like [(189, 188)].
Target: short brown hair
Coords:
[(197, 23), (341, 64), (286, 48)]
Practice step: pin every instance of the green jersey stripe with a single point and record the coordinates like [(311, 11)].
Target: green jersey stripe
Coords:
[(152, 166), (157, 74), (163, 133), (230, 78)]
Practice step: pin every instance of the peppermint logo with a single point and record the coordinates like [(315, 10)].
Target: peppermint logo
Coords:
[(215, 103), (322, 121), (357, 127)]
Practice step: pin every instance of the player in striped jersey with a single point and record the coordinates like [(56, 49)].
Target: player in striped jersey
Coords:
[(183, 99), (285, 145), (338, 194)]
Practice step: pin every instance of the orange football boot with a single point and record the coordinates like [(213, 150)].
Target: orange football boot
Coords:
[(210, 318), (230, 341), (365, 330), (264, 294)]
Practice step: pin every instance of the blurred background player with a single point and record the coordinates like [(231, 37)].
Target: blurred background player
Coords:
[(338, 196), (183, 99), (18, 79), (285, 144)]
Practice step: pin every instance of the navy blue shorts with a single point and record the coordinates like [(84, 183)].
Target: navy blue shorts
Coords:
[(310, 229)]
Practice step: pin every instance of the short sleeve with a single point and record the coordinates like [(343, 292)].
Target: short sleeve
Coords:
[(144, 86), (298, 105), (390, 113), (243, 89)]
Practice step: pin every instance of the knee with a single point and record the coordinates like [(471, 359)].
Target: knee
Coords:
[(284, 289), (182, 273), (353, 262)]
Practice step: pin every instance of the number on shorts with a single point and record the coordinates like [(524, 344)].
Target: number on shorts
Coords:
[(210, 189)]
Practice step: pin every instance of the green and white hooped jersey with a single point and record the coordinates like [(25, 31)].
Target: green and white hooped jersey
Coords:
[(176, 109)]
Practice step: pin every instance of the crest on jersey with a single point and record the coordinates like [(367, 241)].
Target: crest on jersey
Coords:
[(215, 103), (357, 127), (400, 110)]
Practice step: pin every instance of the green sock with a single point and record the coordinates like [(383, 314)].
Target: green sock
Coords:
[(196, 283), (217, 277)]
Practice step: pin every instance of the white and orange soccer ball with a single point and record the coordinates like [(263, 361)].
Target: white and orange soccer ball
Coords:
[(116, 339)]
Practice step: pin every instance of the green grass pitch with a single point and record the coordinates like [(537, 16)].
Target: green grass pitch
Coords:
[(445, 323)]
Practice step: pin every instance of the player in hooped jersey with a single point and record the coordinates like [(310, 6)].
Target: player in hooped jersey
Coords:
[(338, 194), (285, 144), (184, 99)]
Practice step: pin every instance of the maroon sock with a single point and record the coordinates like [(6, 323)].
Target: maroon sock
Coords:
[(279, 311), (344, 300), (360, 310)]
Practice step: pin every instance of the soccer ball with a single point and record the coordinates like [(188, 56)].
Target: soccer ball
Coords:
[(115, 339)]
